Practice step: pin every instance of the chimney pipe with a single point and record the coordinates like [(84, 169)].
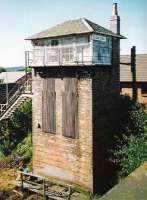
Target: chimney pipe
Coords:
[(114, 9), (115, 20)]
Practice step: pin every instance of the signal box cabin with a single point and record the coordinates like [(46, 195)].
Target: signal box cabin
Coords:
[(76, 74)]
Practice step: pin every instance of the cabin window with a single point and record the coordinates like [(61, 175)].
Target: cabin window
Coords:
[(54, 42), (69, 109), (49, 106), (144, 89), (67, 54), (99, 55), (102, 50), (39, 42), (35, 42), (67, 41), (83, 39), (47, 42)]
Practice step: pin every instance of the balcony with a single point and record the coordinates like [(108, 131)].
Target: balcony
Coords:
[(69, 55), (59, 55)]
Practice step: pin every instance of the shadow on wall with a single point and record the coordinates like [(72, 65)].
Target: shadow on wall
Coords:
[(111, 121)]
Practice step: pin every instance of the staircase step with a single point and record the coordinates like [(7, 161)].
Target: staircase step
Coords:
[(12, 109)]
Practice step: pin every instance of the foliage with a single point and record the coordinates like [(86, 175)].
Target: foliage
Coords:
[(1, 154), (29, 70), (24, 148), (132, 154), (135, 119), (16, 129), (2, 69), (129, 149)]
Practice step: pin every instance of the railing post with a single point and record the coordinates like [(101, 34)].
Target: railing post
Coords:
[(82, 56), (59, 56), (26, 58), (74, 52), (7, 89), (44, 51)]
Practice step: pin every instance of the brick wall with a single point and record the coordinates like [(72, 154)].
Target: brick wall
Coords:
[(80, 160), (55, 155)]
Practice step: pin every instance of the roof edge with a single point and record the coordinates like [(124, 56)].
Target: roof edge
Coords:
[(88, 25), (84, 33)]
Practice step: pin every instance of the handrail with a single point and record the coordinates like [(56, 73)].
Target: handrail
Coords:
[(24, 88), (15, 87), (68, 55), (60, 55)]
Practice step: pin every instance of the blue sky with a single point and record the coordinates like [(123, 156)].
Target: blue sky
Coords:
[(20, 19)]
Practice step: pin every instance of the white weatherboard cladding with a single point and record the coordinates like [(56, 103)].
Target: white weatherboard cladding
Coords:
[(93, 49)]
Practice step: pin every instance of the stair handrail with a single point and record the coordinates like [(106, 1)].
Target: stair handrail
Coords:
[(2, 108), (11, 101), (15, 87), (14, 97)]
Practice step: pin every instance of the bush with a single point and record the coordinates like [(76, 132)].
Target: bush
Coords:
[(135, 124), (132, 154), (131, 116), (24, 148), (16, 129), (129, 149)]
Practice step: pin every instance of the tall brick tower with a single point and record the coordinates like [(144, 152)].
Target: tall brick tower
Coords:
[(76, 76)]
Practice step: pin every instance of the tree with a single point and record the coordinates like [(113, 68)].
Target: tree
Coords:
[(2, 69)]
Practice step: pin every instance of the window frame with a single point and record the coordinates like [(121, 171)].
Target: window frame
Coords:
[(54, 42)]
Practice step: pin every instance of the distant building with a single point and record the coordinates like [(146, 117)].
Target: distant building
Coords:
[(75, 76), (11, 77), (141, 77)]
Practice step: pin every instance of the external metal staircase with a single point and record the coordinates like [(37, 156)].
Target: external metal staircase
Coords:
[(22, 94)]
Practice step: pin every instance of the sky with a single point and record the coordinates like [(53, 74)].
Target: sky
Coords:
[(22, 18)]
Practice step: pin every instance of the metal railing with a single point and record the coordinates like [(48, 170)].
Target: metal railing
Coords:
[(23, 88), (60, 55), (3, 107), (78, 54)]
